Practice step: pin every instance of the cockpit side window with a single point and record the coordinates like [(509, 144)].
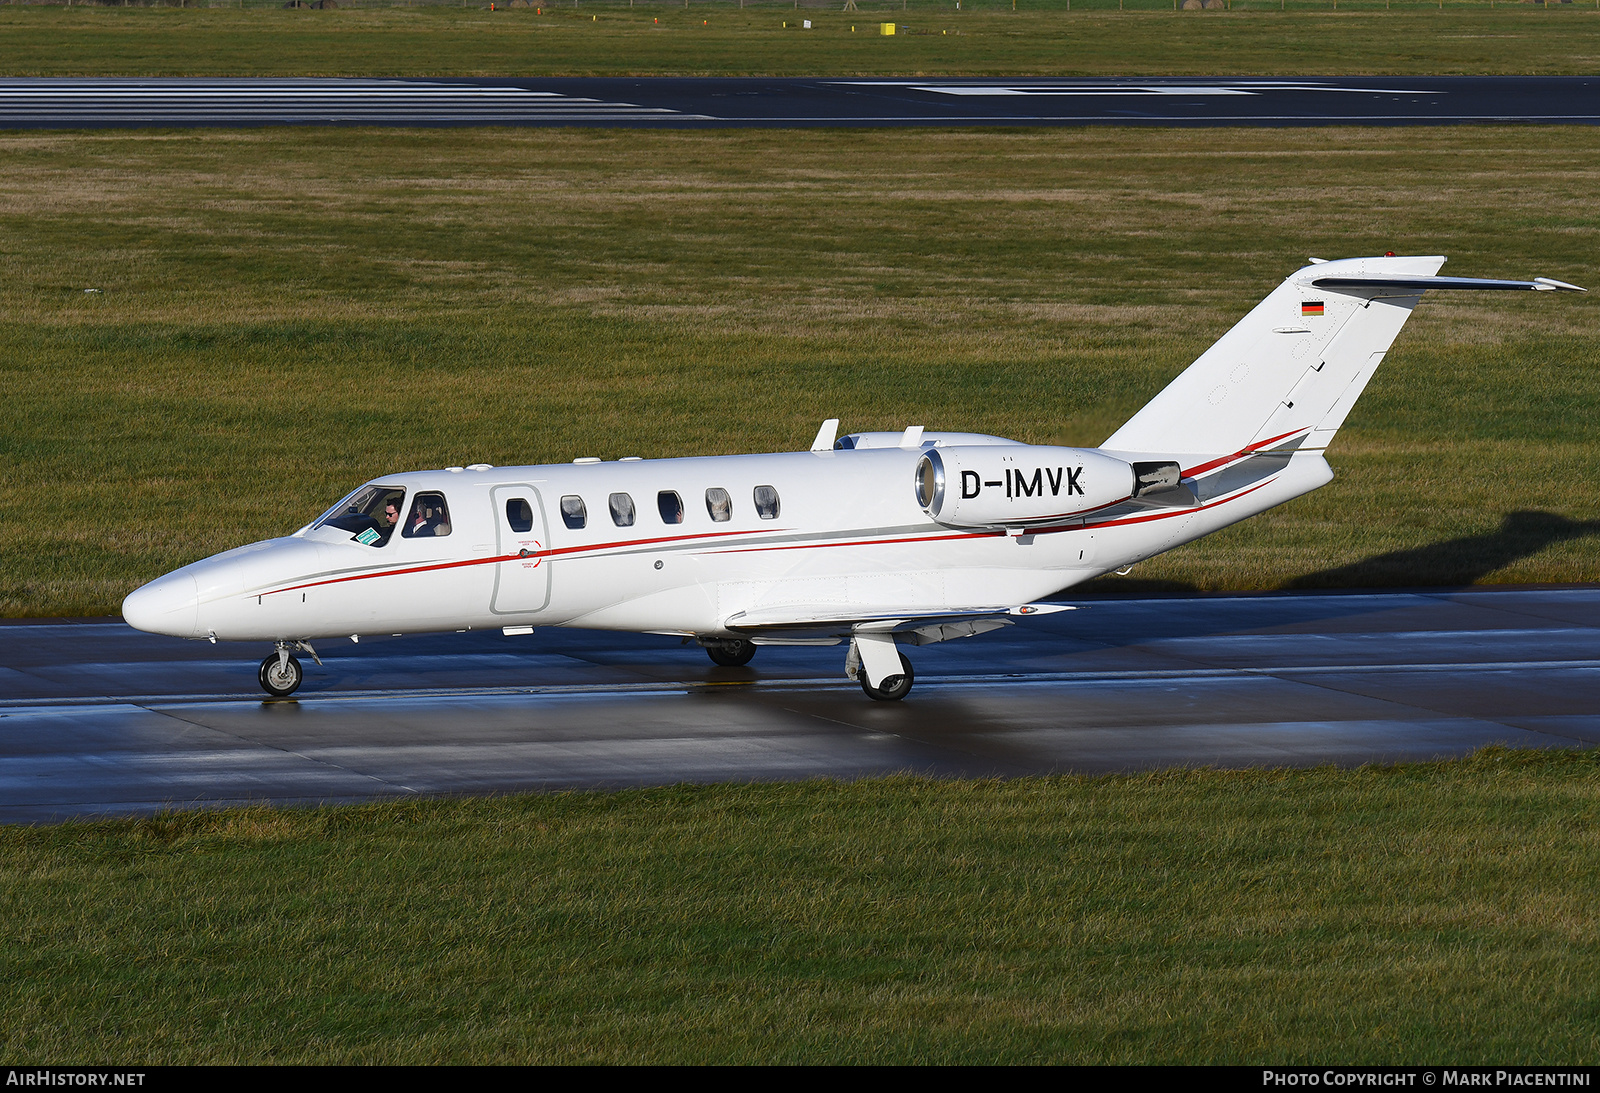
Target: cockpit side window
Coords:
[(370, 514), (622, 510), (429, 517)]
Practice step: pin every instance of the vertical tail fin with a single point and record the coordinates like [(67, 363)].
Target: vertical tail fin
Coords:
[(1292, 368), (1289, 372)]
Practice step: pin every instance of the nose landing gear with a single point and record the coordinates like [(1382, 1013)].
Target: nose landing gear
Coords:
[(280, 674)]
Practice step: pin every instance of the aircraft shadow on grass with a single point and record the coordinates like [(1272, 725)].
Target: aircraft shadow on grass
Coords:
[(1455, 562), (1452, 563)]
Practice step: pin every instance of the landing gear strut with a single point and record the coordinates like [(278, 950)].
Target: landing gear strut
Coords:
[(280, 674), (894, 687), (733, 653)]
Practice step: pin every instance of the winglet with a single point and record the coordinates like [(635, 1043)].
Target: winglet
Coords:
[(1548, 284), (826, 436)]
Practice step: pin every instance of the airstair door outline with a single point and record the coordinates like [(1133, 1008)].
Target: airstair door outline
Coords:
[(522, 576)]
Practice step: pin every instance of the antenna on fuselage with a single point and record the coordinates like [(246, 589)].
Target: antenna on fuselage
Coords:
[(826, 435)]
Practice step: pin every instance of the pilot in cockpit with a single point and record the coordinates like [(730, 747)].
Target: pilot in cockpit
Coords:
[(422, 520)]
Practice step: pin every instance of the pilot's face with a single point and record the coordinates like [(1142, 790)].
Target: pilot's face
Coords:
[(393, 514)]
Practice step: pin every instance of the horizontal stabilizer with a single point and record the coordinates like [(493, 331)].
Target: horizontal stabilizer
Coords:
[(1422, 284)]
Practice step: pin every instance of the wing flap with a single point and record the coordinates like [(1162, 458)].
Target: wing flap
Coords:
[(832, 618)]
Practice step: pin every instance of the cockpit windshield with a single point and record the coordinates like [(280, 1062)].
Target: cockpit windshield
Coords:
[(370, 514)]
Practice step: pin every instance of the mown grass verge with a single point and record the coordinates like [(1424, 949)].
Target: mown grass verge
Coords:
[(1043, 38), (280, 314), (1408, 914)]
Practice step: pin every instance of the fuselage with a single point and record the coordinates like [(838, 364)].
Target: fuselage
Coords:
[(694, 546)]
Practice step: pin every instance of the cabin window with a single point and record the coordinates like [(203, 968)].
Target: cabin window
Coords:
[(370, 514), (622, 510), (719, 504), (574, 513), (766, 499), (671, 507), (429, 518), (519, 514)]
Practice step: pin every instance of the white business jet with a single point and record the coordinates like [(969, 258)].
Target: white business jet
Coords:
[(878, 540)]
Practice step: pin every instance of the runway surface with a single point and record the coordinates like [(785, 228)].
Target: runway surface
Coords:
[(96, 718), (685, 102)]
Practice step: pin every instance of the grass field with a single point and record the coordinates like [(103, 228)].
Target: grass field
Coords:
[(987, 38), (1409, 915), (206, 337), (280, 314)]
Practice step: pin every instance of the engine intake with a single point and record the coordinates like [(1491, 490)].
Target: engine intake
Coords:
[(1018, 485)]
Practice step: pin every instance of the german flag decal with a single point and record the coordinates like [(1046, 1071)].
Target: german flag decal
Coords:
[(1311, 307)]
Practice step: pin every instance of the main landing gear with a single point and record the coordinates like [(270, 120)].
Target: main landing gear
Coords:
[(731, 653), (894, 687), (881, 651)]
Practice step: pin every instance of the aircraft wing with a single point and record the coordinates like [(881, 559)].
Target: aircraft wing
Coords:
[(826, 623)]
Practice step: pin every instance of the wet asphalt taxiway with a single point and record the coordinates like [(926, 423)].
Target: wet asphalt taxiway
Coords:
[(98, 719)]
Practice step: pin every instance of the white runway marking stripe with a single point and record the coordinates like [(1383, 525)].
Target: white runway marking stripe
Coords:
[(222, 101), (1226, 87)]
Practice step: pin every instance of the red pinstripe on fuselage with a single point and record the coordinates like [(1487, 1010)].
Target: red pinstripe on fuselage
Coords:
[(853, 538)]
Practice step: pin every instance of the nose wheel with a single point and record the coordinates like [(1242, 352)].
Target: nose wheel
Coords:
[(280, 674)]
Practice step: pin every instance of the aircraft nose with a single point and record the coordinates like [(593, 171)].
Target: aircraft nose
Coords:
[(167, 605)]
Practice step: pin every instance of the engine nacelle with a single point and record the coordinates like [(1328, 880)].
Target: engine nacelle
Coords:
[(1015, 486)]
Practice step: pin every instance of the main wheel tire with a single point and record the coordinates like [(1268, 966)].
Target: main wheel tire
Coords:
[(732, 654), (280, 680), (894, 688)]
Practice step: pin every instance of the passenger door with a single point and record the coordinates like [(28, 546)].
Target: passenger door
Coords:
[(522, 582)]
